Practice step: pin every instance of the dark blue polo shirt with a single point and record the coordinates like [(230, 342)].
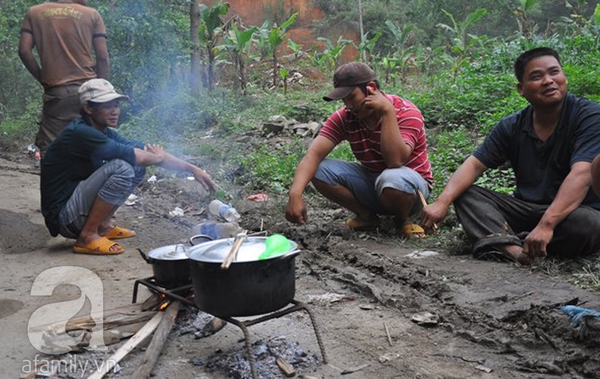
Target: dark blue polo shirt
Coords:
[(541, 167)]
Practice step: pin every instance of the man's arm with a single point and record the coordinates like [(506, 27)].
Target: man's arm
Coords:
[(596, 175), (26, 45), (570, 195), (461, 180), (394, 150), (102, 60), (154, 155), (295, 210)]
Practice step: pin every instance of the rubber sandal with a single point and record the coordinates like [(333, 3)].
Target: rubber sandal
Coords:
[(118, 233), (359, 226), (101, 246), (413, 231)]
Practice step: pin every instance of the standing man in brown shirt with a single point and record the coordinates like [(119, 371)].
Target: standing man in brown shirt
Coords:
[(68, 35)]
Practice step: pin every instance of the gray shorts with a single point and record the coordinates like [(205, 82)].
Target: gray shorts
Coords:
[(368, 186), (113, 183)]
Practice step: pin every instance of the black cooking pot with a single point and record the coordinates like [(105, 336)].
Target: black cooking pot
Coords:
[(170, 264), (249, 286)]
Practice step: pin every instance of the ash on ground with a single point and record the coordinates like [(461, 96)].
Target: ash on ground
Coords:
[(235, 363)]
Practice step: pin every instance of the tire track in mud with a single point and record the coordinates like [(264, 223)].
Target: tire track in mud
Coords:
[(536, 341)]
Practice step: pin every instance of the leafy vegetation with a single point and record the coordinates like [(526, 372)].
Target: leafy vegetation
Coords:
[(452, 58)]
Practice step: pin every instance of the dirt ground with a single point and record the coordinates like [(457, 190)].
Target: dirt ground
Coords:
[(366, 290)]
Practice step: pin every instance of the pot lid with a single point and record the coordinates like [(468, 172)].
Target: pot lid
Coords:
[(216, 251), (169, 253)]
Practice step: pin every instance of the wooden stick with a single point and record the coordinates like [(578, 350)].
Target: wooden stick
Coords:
[(424, 204), (81, 321), (239, 239), (285, 367), (128, 346), (157, 343), (387, 331)]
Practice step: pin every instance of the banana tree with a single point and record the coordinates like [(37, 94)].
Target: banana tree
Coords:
[(527, 26), (366, 47), (274, 38), (402, 51), (238, 43), (328, 59), (463, 42), (209, 32)]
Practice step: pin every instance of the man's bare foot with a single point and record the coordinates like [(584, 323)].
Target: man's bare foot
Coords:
[(517, 253), (360, 223)]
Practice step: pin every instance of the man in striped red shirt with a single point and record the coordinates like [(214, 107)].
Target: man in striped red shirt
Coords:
[(387, 136)]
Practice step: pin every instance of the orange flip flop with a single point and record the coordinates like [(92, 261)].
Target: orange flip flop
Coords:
[(101, 246), (412, 231), (118, 233)]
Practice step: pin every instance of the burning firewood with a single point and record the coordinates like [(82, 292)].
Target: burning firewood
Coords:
[(157, 343)]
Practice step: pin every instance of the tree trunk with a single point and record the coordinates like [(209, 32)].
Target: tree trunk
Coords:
[(195, 56), (362, 31), (275, 73)]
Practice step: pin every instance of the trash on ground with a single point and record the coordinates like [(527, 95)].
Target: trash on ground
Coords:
[(152, 179), (258, 197), (388, 357), (177, 212), (484, 369), (417, 254), (425, 318), (355, 369), (131, 200), (329, 297)]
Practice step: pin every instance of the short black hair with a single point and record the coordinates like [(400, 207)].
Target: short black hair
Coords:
[(528, 56)]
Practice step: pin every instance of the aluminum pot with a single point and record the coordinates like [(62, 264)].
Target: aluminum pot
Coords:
[(170, 264), (249, 286)]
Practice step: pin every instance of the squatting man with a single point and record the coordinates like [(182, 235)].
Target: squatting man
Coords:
[(387, 136), (90, 170)]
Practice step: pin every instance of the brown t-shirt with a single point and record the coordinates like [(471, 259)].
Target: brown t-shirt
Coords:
[(63, 34)]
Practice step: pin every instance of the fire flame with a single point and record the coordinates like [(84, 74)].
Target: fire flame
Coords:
[(164, 303)]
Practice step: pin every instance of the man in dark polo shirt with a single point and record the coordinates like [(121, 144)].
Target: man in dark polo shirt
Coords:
[(90, 169), (550, 145)]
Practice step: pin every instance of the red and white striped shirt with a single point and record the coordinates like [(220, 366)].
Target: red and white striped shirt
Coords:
[(366, 144)]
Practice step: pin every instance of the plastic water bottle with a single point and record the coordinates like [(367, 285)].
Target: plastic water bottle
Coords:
[(224, 211), (216, 230)]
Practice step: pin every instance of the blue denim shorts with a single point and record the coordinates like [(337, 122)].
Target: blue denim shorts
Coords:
[(368, 186)]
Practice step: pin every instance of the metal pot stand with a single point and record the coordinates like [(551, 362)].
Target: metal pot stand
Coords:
[(293, 306)]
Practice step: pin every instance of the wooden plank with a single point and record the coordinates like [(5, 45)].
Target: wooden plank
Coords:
[(158, 341), (131, 309), (141, 335)]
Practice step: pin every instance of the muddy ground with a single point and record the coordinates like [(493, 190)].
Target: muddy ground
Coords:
[(487, 319)]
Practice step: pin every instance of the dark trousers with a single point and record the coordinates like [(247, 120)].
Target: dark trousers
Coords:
[(491, 218)]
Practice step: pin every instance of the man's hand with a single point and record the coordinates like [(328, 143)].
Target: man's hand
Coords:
[(433, 214), (295, 211), (376, 100), (203, 178), (537, 241), (157, 150)]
